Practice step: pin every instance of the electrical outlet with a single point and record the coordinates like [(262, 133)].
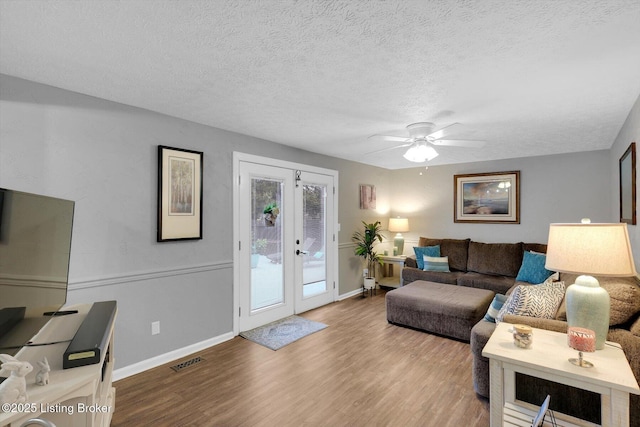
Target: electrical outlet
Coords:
[(365, 272), (155, 328)]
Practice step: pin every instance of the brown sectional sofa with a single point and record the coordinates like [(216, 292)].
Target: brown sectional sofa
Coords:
[(494, 266), (624, 329)]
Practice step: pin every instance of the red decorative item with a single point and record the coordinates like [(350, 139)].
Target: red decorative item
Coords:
[(581, 339)]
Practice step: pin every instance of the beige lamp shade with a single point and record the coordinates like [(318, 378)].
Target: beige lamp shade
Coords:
[(398, 225), (593, 249)]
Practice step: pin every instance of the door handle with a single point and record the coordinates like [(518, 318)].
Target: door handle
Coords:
[(298, 252)]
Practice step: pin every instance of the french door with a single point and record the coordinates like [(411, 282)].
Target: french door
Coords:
[(285, 256)]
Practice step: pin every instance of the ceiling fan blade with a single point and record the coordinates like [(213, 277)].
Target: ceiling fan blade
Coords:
[(389, 138), (388, 148), (459, 143), (442, 132)]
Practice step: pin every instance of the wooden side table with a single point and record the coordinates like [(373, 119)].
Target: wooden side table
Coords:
[(548, 358), (391, 271)]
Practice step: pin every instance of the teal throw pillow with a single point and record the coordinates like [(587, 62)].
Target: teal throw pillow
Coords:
[(421, 251), (494, 308), (532, 269), (434, 263)]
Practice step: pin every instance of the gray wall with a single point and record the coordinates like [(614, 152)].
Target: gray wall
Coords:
[(103, 156), (560, 188), (630, 132)]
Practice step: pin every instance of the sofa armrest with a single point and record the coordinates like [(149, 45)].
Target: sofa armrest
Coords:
[(536, 322), (410, 261)]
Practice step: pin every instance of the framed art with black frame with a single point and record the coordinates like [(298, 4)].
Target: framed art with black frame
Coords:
[(487, 197), (179, 194), (628, 185)]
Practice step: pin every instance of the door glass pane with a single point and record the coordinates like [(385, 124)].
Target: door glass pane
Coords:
[(314, 271), (267, 270)]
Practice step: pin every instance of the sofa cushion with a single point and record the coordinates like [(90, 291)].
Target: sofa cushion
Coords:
[(540, 301), (497, 284), (499, 259), (494, 308), (421, 251), (456, 250), (541, 248), (625, 298), (635, 327), (433, 263), (532, 269), (624, 294), (412, 274)]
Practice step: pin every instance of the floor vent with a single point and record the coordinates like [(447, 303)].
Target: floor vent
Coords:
[(187, 363)]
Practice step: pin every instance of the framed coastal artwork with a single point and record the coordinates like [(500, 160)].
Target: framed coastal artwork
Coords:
[(179, 194), (487, 198), (628, 185)]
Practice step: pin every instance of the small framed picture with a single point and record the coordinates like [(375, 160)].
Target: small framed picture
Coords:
[(179, 194), (487, 197), (367, 196)]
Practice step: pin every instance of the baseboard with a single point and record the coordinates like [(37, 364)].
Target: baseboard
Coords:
[(144, 365), (350, 294)]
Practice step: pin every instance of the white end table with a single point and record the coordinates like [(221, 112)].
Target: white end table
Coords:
[(391, 270), (548, 358)]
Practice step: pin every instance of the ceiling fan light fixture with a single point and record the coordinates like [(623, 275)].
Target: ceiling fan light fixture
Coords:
[(420, 153)]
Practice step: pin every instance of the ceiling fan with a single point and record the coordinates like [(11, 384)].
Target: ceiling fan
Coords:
[(421, 137)]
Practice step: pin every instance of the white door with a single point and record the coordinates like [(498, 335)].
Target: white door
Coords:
[(266, 244), (284, 263), (314, 274)]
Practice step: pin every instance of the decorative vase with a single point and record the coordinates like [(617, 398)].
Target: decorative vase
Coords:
[(588, 306)]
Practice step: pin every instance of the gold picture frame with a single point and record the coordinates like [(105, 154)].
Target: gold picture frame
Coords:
[(487, 198)]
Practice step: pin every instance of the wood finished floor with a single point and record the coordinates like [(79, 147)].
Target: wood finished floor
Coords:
[(360, 371)]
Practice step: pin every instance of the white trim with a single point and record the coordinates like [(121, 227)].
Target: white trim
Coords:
[(350, 294), (146, 275), (156, 361)]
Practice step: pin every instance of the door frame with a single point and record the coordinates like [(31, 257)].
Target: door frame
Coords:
[(239, 157)]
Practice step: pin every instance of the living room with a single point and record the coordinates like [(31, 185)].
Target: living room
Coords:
[(102, 154)]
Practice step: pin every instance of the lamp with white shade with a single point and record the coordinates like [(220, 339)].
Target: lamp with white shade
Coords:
[(590, 249), (398, 225)]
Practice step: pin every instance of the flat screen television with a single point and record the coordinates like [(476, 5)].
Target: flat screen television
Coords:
[(35, 248)]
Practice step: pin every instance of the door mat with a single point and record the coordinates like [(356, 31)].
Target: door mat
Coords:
[(276, 335)]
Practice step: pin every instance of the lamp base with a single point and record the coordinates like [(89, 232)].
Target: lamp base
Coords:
[(588, 306), (398, 242), (580, 361)]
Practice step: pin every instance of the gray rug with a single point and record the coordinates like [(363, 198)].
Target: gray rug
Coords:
[(277, 334)]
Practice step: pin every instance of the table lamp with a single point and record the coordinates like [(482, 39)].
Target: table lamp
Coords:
[(586, 249), (398, 225)]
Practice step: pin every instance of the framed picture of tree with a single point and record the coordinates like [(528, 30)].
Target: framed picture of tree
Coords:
[(179, 194)]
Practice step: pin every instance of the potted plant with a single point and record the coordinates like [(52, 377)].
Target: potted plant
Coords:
[(364, 248), (271, 212)]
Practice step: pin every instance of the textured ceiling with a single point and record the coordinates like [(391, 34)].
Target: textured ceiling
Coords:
[(528, 77)]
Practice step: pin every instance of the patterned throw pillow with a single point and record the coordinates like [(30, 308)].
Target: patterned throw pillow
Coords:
[(433, 263), (494, 308), (421, 251), (540, 301), (532, 269)]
